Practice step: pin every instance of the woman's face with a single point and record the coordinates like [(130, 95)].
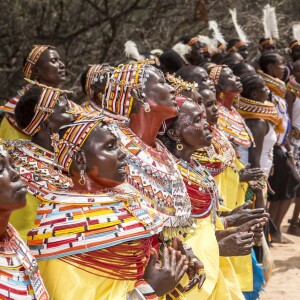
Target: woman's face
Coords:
[(12, 189), (159, 94), (229, 82), (261, 92), (105, 161), (209, 101), (60, 117), (193, 128), (277, 69), (49, 69), (201, 77)]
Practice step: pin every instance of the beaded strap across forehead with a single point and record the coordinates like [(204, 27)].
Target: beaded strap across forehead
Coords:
[(122, 80), (215, 73), (32, 59), (236, 46), (44, 107), (74, 138)]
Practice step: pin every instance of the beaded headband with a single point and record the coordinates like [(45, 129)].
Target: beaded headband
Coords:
[(75, 136), (121, 81), (294, 44), (236, 46), (32, 59), (193, 40), (44, 107), (94, 74), (179, 84), (215, 73), (268, 41)]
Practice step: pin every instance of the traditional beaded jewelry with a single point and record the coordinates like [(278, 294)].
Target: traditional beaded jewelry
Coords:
[(218, 156), (276, 85), (201, 187), (20, 277), (234, 126), (250, 109), (154, 173), (179, 84)]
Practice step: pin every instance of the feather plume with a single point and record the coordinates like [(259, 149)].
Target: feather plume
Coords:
[(241, 34), (270, 22), (131, 50), (217, 35), (296, 31), (204, 39), (182, 49)]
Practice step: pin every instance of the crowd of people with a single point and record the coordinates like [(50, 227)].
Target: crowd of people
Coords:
[(170, 182)]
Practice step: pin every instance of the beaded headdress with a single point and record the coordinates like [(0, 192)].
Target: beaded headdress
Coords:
[(121, 81), (44, 107), (179, 84), (33, 57), (75, 136), (215, 73)]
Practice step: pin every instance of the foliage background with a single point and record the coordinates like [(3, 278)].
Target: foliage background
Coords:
[(94, 31)]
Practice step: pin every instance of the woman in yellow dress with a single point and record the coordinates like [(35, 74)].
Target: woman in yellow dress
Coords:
[(43, 64)]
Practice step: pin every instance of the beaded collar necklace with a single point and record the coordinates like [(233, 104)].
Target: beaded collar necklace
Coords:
[(201, 187), (155, 174), (276, 85), (234, 126), (20, 277), (218, 156), (251, 109)]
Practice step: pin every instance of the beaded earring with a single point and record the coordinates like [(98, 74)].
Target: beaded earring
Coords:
[(146, 107), (179, 146), (221, 95), (82, 180)]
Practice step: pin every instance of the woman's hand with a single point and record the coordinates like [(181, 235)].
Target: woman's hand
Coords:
[(195, 271), (245, 213), (237, 244), (164, 277), (250, 174)]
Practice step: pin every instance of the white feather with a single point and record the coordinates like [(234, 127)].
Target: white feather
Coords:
[(131, 50), (217, 35), (270, 22), (182, 49), (204, 39), (296, 31), (241, 34)]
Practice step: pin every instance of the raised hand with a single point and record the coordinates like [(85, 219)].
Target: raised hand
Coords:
[(164, 277)]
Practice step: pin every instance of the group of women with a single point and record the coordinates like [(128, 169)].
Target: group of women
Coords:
[(154, 188)]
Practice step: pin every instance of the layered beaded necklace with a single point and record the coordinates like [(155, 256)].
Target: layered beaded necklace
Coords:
[(19, 274), (155, 174), (251, 109), (202, 189), (276, 85), (218, 156), (234, 127)]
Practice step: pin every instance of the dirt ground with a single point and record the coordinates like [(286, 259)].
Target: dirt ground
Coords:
[(285, 282)]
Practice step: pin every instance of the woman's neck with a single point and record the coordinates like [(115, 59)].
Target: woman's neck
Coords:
[(4, 218), (227, 100), (146, 126), (43, 139), (185, 154)]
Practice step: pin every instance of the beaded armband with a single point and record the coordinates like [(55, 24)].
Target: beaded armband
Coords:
[(142, 291)]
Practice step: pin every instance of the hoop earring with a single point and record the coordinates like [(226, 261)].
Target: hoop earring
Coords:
[(82, 180), (146, 107), (179, 146)]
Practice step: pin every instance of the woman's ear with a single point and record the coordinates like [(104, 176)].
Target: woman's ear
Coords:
[(80, 160), (173, 134)]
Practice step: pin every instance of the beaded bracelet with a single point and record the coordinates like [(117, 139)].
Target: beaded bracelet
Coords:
[(142, 291)]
